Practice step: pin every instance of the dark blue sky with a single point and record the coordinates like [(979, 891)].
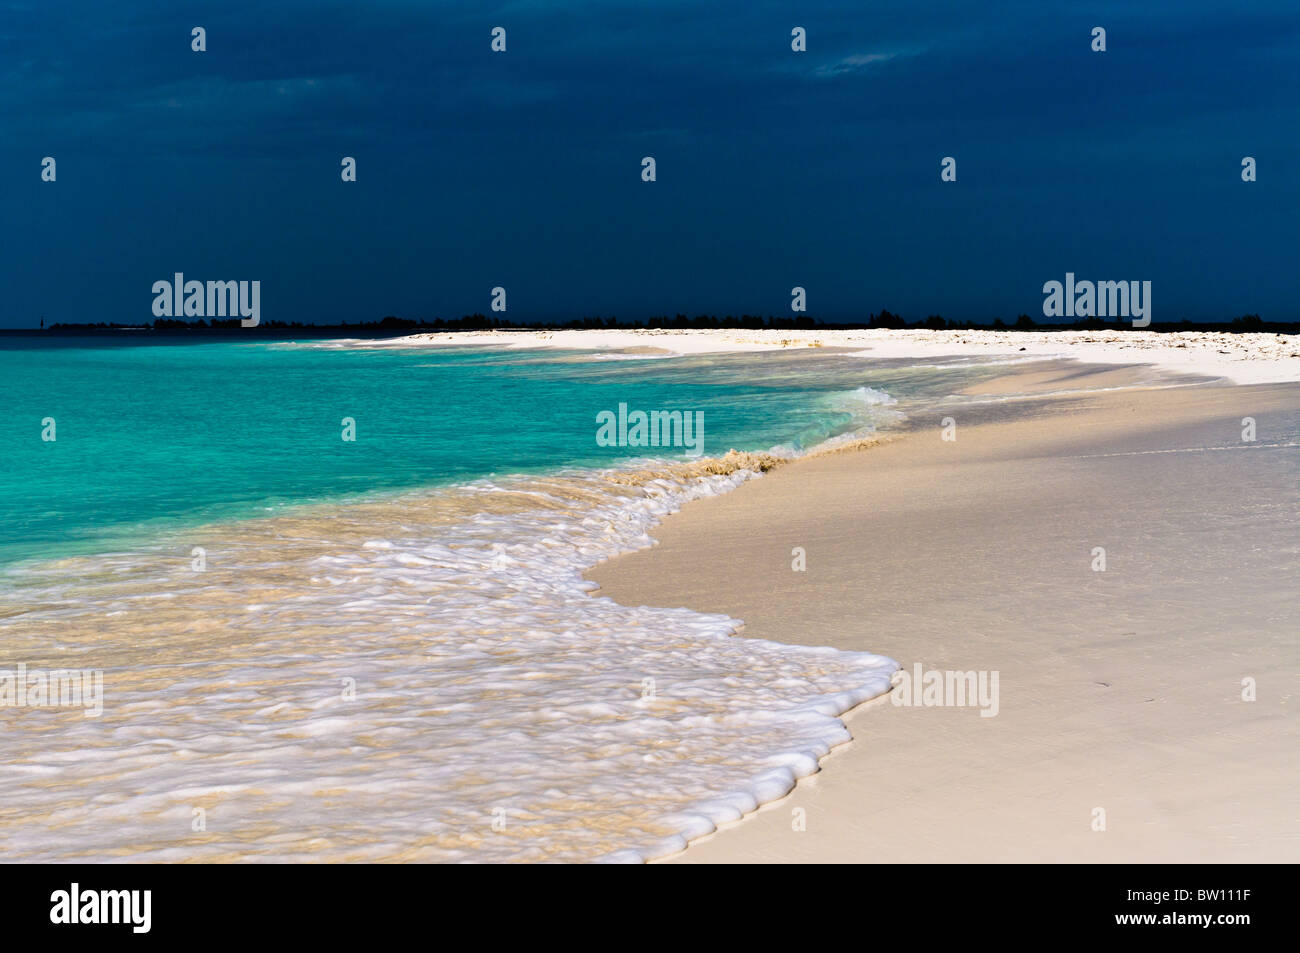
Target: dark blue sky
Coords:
[(522, 169)]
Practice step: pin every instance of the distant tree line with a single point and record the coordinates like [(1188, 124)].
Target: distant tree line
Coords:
[(480, 322)]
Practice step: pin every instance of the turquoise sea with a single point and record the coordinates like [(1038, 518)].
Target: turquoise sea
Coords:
[(151, 436), (386, 648)]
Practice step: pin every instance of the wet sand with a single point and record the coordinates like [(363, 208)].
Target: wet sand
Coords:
[(1119, 690)]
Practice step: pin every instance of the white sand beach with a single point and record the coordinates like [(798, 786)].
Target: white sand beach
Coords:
[(1246, 358), (1125, 729), (1144, 709), (1123, 691)]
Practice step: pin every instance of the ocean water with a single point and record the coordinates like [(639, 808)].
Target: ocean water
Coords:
[(384, 648)]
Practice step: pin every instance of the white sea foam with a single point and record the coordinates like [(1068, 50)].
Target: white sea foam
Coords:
[(501, 712), (620, 356), (861, 397), (869, 411)]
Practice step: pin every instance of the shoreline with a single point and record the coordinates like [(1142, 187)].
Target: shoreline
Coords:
[(736, 746), (1241, 357), (1120, 689), (347, 556)]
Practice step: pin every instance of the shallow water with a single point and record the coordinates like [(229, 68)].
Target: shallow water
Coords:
[(399, 659)]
